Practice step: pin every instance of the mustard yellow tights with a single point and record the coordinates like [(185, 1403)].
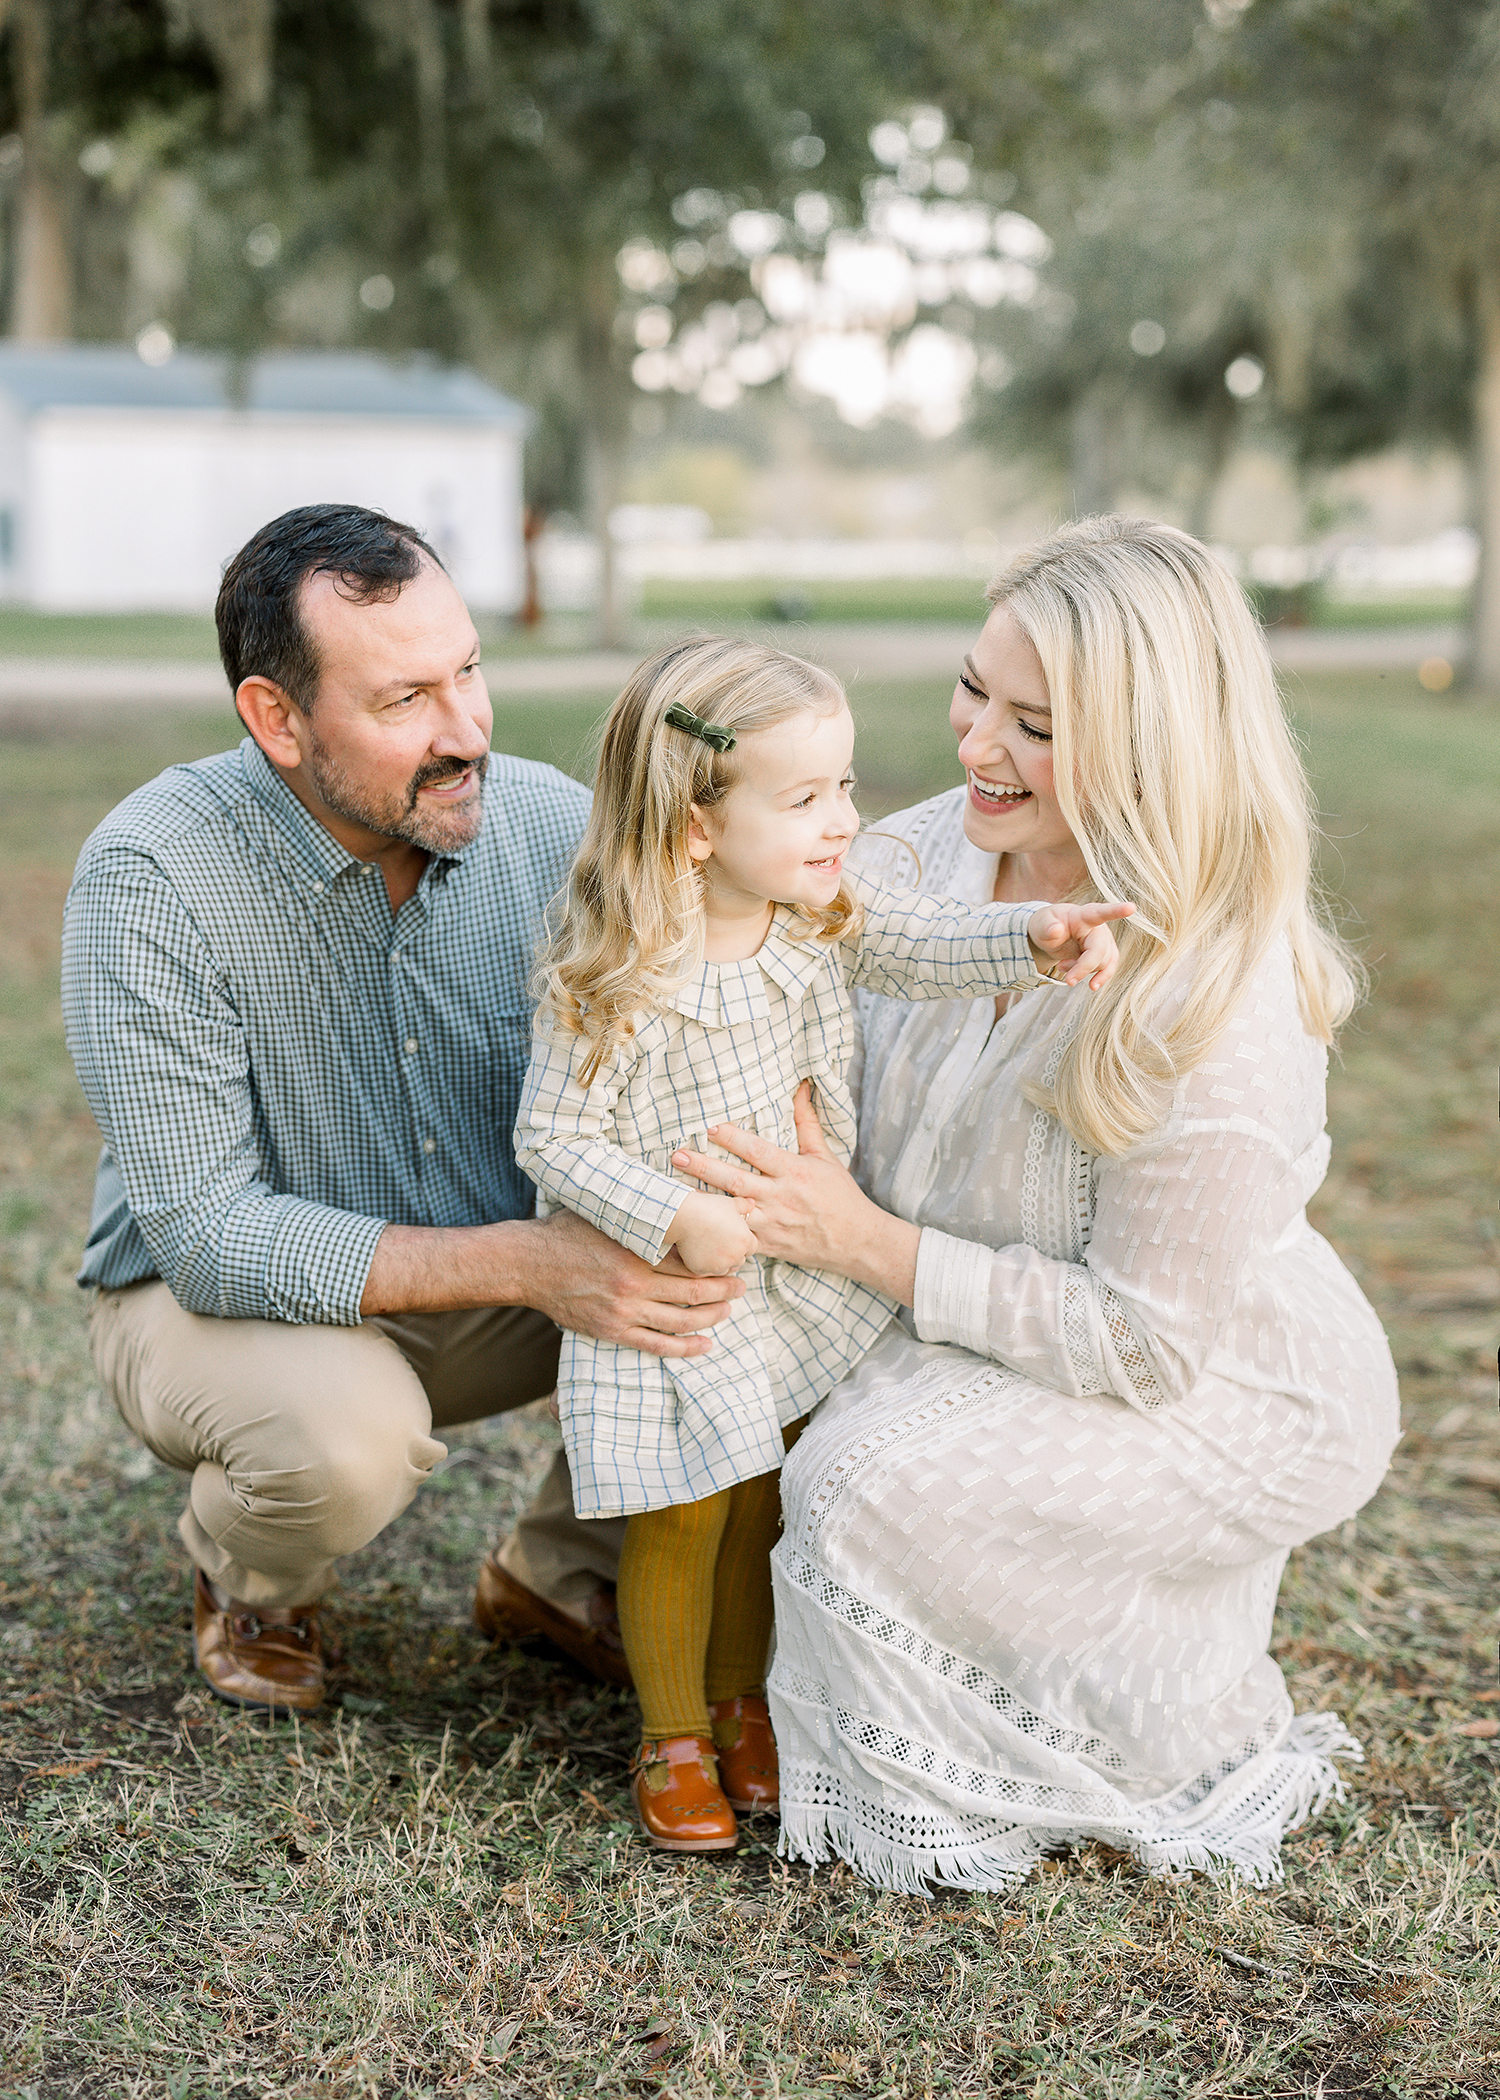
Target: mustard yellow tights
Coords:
[(694, 1599)]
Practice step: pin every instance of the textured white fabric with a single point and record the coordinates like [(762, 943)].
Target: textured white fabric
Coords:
[(1031, 1554), (732, 1047)]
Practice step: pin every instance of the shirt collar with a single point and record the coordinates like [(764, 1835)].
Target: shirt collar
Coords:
[(728, 994), (324, 858)]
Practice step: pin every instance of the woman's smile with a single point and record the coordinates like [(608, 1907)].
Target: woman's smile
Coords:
[(996, 797)]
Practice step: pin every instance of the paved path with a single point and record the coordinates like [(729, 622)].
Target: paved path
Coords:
[(875, 654)]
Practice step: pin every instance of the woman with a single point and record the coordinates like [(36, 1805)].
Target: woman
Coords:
[(1032, 1544)]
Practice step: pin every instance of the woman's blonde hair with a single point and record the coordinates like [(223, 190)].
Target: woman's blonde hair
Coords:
[(629, 925), (1176, 771)]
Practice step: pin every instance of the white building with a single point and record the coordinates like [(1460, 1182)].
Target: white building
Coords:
[(127, 486)]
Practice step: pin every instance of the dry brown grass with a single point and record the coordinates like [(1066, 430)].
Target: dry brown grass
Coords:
[(434, 1887)]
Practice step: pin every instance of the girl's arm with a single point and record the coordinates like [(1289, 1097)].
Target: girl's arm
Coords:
[(565, 1142), (913, 946)]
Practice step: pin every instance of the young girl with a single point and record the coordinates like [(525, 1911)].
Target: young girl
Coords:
[(698, 971)]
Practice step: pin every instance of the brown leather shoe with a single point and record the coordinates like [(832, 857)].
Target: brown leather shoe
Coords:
[(675, 1787), (507, 1611), (267, 1659), (746, 1749)]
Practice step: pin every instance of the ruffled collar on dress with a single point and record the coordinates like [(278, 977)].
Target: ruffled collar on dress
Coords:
[(729, 994)]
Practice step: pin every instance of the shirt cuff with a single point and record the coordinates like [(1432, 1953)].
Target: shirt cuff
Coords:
[(318, 1265), (953, 1291)]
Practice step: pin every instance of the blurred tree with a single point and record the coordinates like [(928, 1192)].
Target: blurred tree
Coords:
[(73, 73), (455, 176), (588, 126), (1183, 253), (1385, 115)]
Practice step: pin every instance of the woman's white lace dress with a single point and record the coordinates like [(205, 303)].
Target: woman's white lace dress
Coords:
[(1031, 1556)]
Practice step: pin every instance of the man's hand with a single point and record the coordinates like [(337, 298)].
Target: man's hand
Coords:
[(559, 1265), (595, 1287)]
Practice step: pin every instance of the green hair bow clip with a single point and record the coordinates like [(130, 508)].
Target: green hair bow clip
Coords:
[(682, 717)]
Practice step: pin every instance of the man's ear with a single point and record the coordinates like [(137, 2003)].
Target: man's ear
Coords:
[(276, 724), (699, 844)]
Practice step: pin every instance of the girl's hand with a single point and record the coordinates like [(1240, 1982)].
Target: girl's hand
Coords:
[(1076, 934), (807, 1208), (711, 1235)]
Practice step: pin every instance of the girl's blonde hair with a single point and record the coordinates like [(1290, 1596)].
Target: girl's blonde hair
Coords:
[(1176, 771), (629, 925)]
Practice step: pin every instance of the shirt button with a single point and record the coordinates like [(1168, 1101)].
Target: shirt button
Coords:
[(320, 887), (410, 1046), (429, 1144), (928, 1122)]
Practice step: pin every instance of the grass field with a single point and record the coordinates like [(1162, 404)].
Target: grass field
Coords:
[(434, 1888), (190, 637)]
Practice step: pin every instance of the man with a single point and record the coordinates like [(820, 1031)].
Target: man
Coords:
[(294, 978)]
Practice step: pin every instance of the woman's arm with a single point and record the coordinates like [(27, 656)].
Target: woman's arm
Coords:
[(1174, 1225)]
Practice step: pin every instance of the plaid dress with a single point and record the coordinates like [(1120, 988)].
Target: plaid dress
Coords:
[(731, 1047)]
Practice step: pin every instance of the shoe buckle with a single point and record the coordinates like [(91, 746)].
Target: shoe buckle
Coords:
[(247, 1626)]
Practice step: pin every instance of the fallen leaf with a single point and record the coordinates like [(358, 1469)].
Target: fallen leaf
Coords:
[(501, 2039), (92, 1764), (1486, 1698), (1477, 1472), (1483, 1729)]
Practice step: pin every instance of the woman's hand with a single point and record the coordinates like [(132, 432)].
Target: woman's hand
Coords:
[(805, 1207), (1078, 935)]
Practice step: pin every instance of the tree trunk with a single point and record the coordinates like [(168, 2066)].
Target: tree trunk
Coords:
[(533, 525), (41, 309), (1220, 420), (1094, 464), (606, 412), (1484, 619), (602, 475), (240, 35)]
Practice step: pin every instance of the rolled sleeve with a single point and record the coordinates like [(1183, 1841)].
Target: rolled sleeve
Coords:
[(913, 946), (563, 1142), (161, 1054)]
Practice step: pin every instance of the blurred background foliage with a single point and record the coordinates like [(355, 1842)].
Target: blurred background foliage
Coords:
[(587, 200)]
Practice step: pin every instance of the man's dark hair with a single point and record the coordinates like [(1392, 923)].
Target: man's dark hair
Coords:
[(261, 633)]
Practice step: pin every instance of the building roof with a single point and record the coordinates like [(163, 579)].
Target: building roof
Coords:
[(37, 376)]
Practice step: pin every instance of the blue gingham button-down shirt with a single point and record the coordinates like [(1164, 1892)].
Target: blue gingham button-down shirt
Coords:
[(731, 1046), (281, 1066)]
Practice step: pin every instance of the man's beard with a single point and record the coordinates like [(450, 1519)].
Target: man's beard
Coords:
[(397, 816)]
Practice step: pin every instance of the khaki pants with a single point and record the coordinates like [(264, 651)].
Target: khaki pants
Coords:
[(304, 1442)]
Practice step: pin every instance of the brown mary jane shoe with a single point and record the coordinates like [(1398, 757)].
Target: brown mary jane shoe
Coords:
[(675, 1786), (267, 1659), (746, 1750)]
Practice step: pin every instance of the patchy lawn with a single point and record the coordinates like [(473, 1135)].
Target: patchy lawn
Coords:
[(435, 1887)]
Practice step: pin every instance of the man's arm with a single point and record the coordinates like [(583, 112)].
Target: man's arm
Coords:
[(560, 1265), (161, 1053), (162, 1057)]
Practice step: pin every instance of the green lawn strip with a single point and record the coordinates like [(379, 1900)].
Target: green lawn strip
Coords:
[(148, 637), (767, 603), (435, 1886)]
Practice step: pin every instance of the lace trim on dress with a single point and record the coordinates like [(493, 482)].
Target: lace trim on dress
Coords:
[(881, 1628), (1130, 1353), (1228, 1819), (1078, 1333), (810, 1511), (899, 1844)]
